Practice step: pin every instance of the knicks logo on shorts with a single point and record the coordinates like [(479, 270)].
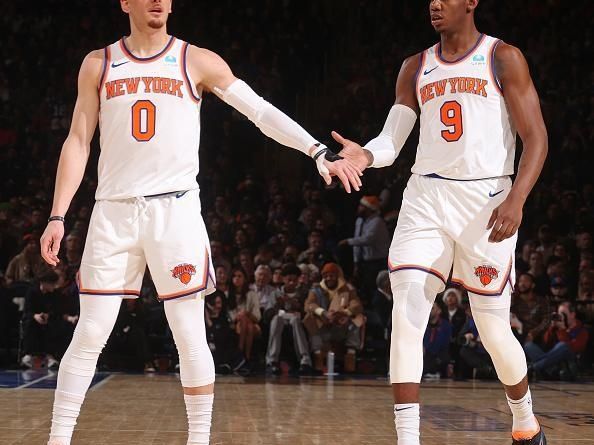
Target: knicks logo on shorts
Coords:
[(183, 272), (486, 274)]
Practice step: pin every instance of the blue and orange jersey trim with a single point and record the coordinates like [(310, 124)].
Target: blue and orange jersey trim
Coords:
[(204, 284), (496, 293), (184, 67), (491, 59), (105, 292), (440, 59), (428, 270), (105, 70), (150, 59)]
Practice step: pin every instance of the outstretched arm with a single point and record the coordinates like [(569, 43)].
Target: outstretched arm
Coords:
[(524, 109), (75, 152), (384, 149), (212, 72)]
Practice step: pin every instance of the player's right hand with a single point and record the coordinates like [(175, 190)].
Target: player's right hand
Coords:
[(352, 151), (50, 242)]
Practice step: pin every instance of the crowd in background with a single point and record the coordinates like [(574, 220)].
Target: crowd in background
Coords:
[(300, 268)]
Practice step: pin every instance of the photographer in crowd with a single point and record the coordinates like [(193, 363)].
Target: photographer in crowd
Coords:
[(564, 340)]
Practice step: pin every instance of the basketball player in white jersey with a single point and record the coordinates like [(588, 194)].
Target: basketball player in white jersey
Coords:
[(460, 211), (145, 91)]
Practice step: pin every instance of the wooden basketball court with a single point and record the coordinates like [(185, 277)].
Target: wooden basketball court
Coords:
[(142, 409)]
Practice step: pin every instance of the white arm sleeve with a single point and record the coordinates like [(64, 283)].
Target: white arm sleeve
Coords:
[(270, 120), (386, 147)]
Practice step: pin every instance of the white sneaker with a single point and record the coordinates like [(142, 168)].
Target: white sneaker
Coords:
[(27, 361), (52, 363)]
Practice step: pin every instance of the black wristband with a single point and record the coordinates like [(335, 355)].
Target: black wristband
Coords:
[(55, 218)]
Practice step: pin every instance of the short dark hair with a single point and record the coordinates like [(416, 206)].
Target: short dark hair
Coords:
[(290, 269)]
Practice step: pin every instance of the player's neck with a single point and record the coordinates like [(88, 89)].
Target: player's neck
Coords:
[(147, 42), (459, 42)]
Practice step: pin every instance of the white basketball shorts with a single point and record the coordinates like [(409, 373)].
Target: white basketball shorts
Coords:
[(442, 227), (166, 232)]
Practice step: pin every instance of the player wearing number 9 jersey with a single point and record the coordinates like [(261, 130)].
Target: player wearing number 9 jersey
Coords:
[(145, 91), (460, 211)]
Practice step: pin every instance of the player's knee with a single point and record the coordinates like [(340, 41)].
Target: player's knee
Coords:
[(92, 335), (410, 313), (501, 344)]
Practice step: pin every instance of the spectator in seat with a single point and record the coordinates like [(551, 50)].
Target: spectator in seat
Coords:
[(586, 294), (380, 312), (473, 354), (222, 276), (265, 293), (289, 314), (334, 314), (370, 244), (436, 344), (244, 310), (40, 321), (26, 266), (558, 290), (452, 298), (530, 311), (222, 339), (565, 338)]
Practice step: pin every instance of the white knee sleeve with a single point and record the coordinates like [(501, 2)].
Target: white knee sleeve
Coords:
[(186, 320), (410, 315), (499, 341)]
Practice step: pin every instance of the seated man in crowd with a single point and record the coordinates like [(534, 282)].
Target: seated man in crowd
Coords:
[(264, 292), (436, 344), (289, 309), (40, 321), (530, 312), (26, 266), (334, 315), (565, 338)]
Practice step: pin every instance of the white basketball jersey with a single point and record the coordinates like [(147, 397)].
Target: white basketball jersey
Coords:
[(149, 121), (466, 131)]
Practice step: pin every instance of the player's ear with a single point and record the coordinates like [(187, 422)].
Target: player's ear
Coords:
[(171, 7), (125, 6), (471, 5)]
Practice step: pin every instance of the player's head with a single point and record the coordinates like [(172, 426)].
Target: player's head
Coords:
[(151, 13), (451, 15)]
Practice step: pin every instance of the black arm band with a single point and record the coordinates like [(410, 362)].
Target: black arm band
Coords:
[(55, 218)]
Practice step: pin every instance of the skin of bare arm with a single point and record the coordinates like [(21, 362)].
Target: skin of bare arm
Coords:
[(524, 109), (75, 152)]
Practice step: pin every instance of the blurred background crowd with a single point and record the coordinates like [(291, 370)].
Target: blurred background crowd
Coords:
[(301, 268)]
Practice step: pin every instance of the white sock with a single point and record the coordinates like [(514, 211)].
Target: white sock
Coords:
[(199, 409), (407, 420), (66, 410), (524, 419)]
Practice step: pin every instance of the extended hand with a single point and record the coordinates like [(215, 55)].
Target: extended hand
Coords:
[(344, 169), (352, 151), (50, 242), (505, 220)]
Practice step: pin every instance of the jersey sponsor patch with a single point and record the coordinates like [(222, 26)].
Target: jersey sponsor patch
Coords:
[(486, 274), (183, 272)]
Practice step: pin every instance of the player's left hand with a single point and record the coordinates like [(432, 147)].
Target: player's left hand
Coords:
[(344, 170), (505, 219)]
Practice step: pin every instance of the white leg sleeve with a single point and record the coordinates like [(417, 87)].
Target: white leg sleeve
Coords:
[(492, 322), (186, 319), (410, 315), (97, 317)]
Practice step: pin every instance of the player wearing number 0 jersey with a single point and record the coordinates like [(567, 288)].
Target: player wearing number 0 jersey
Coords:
[(145, 91), (460, 211)]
